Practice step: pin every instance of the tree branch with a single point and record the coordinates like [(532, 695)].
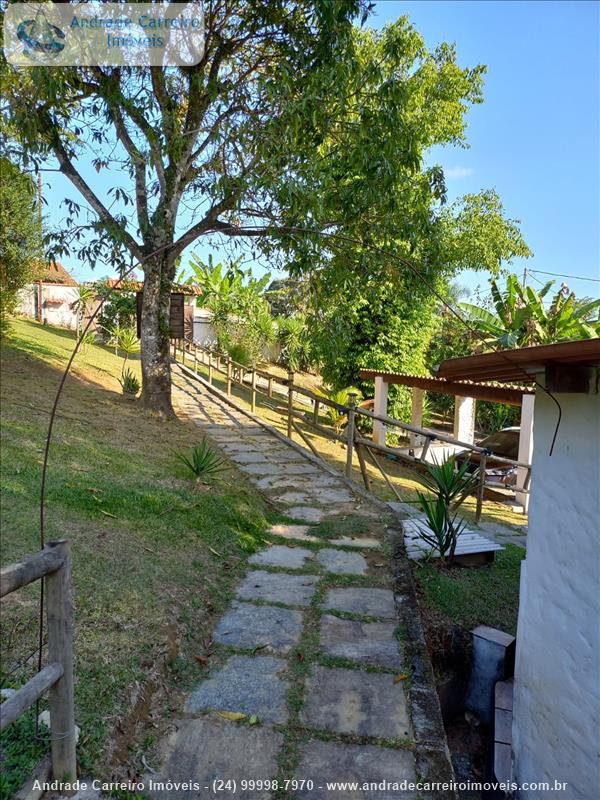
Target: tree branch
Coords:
[(67, 168)]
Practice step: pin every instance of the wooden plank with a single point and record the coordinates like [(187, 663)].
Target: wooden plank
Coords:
[(16, 575), (59, 623), (28, 694), (176, 316)]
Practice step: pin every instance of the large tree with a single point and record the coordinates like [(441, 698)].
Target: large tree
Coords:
[(297, 128), (20, 236)]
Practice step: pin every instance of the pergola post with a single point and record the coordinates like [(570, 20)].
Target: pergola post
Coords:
[(525, 448), (416, 417), (464, 419), (380, 408)]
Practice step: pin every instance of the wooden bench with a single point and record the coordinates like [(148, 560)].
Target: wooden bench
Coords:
[(472, 549)]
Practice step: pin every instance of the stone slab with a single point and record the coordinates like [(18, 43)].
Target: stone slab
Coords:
[(364, 642), (247, 684), (339, 562), (292, 497), (249, 457), (271, 628), (360, 542), (332, 496), (324, 762), (306, 513), (205, 750), (261, 469), (368, 602), (280, 555), (351, 701), (278, 587), (296, 532)]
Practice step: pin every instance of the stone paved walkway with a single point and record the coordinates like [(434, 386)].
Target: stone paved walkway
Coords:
[(308, 656)]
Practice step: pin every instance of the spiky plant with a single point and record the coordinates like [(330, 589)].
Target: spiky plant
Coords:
[(203, 462), (449, 486), (129, 383)]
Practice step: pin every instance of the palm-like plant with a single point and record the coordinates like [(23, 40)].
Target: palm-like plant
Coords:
[(85, 295), (449, 486), (128, 342), (522, 318), (341, 397)]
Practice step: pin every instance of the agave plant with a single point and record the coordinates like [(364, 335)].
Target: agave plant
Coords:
[(449, 486), (444, 528), (129, 383), (203, 461)]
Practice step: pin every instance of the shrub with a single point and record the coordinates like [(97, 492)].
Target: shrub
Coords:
[(204, 461), (129, 383), (294, 340)]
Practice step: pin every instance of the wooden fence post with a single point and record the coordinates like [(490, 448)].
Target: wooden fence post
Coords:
[(316, 411), (290, 403), (210, 367), (253, 391), (183, 351), (195, 360), (59, 615), (270, 388), (228, 363), (480, 487), (350, 434)]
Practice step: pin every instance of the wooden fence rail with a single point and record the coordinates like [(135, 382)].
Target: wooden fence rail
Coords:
[(246, 377), (53, 565)]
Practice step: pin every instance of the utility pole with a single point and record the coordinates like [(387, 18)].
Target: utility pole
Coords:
[(524, 277)]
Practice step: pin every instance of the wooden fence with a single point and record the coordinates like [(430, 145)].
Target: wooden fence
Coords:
[(53, 565), (193, 355)]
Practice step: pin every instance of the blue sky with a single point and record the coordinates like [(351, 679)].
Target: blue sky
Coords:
[(534, 139)]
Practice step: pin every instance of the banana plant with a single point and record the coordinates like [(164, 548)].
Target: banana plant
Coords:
[(523, 319)]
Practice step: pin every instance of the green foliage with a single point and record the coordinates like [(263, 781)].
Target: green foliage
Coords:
[(449, 485), (21, 752), (337, 417), (20, 236), (119, 309), (204, 461), (241, 315), (293, 335), (127, 341), (372, 326), (289, 296), (491, 417), (129, 382), (522, 318), (85, 295)]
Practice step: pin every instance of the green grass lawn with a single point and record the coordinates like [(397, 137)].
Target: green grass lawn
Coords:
[(154, 558), (475, 596)]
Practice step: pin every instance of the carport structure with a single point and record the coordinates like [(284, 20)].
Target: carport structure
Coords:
[(465, 393)]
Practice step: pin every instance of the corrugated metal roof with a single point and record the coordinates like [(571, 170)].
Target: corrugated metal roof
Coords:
[(512, 395), (522, 364)]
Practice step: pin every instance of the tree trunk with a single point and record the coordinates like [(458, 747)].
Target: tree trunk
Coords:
[(156, 369)]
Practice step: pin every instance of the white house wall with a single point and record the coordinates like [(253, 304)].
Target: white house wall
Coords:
[(57, 304), (557, 685)]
